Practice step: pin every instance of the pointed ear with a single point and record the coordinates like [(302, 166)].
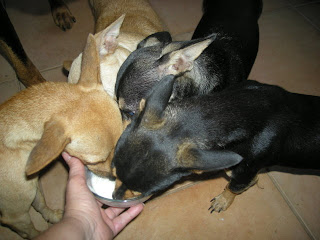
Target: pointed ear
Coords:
[(182, 60), (157, 99), (162, 38), (207, 160), (108, 37), (48, 148), (90, 65)]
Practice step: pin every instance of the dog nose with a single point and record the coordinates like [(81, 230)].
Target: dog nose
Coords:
[(118, 193)]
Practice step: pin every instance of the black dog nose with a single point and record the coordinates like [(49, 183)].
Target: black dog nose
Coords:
[(119, 193)]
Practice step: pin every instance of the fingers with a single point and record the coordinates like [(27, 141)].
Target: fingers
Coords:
[(75, 165), (113, 212), (122, 220)]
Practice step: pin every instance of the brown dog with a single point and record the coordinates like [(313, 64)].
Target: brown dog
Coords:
[(38, 124), (114, 45)]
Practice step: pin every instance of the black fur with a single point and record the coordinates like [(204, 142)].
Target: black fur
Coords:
[(9, 36), (246, 127), (227, 60)]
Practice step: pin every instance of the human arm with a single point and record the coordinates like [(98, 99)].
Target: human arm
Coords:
[(84, 218)]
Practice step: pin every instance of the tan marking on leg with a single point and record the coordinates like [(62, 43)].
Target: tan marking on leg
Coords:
[(223, 201), (228, 172)]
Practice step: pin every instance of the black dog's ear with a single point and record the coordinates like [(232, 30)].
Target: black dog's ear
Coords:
[(207, 160), (163, 38), (182, 60), (157, 100)]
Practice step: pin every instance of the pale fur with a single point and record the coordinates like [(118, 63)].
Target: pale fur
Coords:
[(140, 21), (38, 124)]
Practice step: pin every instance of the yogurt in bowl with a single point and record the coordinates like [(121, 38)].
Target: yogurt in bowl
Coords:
[(102, 189)]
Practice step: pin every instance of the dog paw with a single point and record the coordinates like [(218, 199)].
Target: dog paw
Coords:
[(56, 216), (62, 17), (222, 201)]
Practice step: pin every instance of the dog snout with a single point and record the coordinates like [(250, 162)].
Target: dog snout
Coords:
[(119, 192), (122, 192)]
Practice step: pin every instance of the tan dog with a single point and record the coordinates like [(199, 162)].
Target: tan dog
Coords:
[(38, 124), (115, 45)]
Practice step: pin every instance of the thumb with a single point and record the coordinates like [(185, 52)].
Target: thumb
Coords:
[(75, 165)]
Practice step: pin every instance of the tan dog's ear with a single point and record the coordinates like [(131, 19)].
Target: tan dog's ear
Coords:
[(90, 66), (108, 37), (182, 60), (49, 147)]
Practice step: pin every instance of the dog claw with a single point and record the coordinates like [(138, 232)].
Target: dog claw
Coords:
[(222, 201)]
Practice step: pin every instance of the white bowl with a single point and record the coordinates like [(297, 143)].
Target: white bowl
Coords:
[(102, 189)]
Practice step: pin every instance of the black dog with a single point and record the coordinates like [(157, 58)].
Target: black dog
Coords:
[(246, 127), (227, 55), (12, 50)]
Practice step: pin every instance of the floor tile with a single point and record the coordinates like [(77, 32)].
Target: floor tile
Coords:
[(6, 71), (183, 36), (312, 12), (256, 214), (289, 52), (7, 89), (45, 44), (271, 5), (180, 15), (300, 2), (302, 193), (55, 75)]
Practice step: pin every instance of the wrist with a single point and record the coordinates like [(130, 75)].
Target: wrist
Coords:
[(81, 226)]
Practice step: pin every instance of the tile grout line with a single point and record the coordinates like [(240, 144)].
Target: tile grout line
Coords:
[(15, 78), (295, 8), (291, 206)]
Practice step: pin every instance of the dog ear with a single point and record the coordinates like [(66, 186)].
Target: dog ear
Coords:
[(207, 160), (48, 148), (157, 101), (90, 65), (162, 38), (108, 37), (182, 60)]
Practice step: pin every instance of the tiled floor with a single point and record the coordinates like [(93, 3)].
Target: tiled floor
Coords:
[(285, 203)]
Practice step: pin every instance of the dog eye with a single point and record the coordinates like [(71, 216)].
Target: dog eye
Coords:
[(127, 114)]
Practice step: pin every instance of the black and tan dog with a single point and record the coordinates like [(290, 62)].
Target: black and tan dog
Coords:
[(12, 50), (11, 47), (246, 127), (227, 38)]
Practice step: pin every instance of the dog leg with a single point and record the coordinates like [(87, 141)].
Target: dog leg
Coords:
[(61, 14), (39, 204), (238, 184), (21, 224), (12, 50)]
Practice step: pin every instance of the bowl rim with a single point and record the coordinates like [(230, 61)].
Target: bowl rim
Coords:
[(111, 200)]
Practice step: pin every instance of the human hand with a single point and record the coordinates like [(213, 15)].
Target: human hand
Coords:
[(82, 207)]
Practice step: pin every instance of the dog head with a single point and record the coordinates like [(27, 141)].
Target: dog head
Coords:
[(114, 46), (87, 128), (156, 150), (156, 56)]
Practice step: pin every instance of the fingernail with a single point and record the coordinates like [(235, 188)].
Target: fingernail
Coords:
[(66, 156)]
